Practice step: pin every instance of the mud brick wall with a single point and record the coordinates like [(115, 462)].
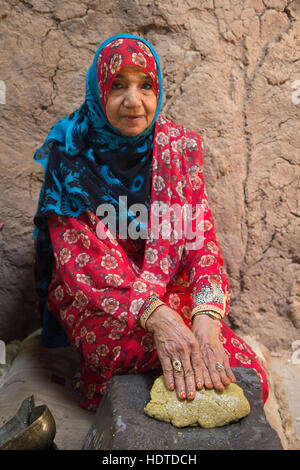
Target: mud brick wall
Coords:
[(231, 72)]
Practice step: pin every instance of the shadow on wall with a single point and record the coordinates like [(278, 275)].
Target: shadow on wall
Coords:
[(17, 290)]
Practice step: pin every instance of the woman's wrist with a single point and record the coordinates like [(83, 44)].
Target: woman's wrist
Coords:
[(210, 313), (154, 319), (151, 304), (205, 322)]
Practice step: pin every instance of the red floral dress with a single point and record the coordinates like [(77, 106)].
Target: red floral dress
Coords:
[(100, 286)]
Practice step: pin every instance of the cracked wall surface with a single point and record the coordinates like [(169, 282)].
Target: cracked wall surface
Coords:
[(230, 73)]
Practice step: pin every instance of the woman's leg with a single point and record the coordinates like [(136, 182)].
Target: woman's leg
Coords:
[(107, 349)]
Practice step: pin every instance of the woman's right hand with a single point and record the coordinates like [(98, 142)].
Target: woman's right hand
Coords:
[(175, 341)]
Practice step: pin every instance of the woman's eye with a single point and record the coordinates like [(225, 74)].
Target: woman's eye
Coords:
[(117, 85), (147, 86)]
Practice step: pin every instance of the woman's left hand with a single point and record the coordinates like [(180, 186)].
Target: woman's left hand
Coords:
[(216, 369)]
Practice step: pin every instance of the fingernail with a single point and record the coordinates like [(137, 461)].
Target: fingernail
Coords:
[(172, 387), (191, 396), (199, 385), (183, 395)]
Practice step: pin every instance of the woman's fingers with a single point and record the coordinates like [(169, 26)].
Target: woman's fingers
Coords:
[(175, 378), (189, 376), (218, 367), (198, 369), (194, 373), (185, 379), (211, 364), (167, 368), (228, 370), (223, 367), (222, 373), (179, 377), (206, 377)]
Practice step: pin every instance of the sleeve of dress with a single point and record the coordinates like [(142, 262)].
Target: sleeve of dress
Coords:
[(202, 258), (90, 273), (95, 274)]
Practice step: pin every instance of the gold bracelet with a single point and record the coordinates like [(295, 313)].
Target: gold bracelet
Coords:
[(149, 310), (210, 313)]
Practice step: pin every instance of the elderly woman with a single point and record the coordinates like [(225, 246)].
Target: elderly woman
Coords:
[(132, 292)]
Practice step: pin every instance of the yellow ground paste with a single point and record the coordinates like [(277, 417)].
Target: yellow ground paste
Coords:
[(209, 409)]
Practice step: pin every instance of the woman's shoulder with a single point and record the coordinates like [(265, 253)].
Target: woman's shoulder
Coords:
[(186, 139), (177, 130)]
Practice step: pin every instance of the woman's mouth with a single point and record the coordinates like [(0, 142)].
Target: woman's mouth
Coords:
[(133, 118)]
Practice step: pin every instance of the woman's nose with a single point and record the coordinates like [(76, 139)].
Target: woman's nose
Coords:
[(132, 97)]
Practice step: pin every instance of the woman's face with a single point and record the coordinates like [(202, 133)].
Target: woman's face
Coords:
[(132, 101)]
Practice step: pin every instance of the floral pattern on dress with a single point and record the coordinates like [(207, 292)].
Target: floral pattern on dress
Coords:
[(100, 287)]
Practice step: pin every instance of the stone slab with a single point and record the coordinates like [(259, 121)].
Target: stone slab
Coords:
[(121, 424)]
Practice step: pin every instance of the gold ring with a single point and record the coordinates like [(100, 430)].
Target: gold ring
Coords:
[(219, 366), (177, 365)]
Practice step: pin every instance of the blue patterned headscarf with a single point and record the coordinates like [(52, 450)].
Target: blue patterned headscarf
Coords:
[(87, 162)]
